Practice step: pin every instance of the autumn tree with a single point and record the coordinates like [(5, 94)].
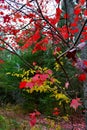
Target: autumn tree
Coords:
[(71, 10), (43, 25)]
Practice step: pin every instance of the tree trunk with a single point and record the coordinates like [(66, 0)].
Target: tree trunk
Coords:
[(70, 10), (84, 56)]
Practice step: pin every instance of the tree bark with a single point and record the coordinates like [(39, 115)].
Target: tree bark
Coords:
[(84, 56), (70, 10)]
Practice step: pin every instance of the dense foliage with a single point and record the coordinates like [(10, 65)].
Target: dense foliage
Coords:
[(41, 62)]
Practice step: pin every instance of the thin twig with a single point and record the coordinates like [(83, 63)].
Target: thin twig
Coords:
[(58, 61), (14, 52), (80, 33), (59, 35), (21, 8), (74, 45)]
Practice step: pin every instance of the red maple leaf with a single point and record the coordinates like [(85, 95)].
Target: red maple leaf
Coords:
[(82, 77), (82, 1), (32, 121), (56, 111), (33, 117), (1, 13), (29, 84), (39, 47), (85, 62), (85, 12), (37, 113), (39, 79), (2, 1), (75, 103), (77, 9), (36, 36), (57, 1), (27, 44), (22, 84), (6, 18)]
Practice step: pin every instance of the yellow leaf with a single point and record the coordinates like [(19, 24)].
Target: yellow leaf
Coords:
[(52, 123), (65, 118), (8, 73), (58, 127), (35, 128)]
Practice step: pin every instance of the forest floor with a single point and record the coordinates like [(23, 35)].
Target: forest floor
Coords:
[(17, 120)]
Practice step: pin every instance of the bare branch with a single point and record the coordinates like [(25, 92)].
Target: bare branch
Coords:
[(14, 52), (63, 69)]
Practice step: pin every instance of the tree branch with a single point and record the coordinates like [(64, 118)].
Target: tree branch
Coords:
[(58, 61), (80, 33), (59, 35), (14, 52)]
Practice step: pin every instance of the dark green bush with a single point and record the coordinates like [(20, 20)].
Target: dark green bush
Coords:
[(10, 91)]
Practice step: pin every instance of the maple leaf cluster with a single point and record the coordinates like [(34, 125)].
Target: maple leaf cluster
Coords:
[(33, 117), (37, 80)]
